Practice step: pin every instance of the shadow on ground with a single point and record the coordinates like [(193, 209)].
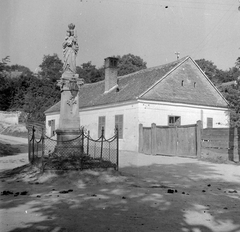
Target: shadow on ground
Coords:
[(186, 197)]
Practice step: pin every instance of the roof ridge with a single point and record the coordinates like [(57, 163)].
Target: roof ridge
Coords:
[(179, 63), (154, 67)]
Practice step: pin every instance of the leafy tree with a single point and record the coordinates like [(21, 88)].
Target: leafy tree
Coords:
[(6, 92), (51, 67), (21, 85), (90, 73), (232, 74), (24, 70), (127, 64), (130, 63), (218, 76), (3, 63), (41, 94), (232, 94), (25, 92), (237, 63), (210, 69)]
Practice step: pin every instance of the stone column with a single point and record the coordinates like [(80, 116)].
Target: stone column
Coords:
[(69, 122)]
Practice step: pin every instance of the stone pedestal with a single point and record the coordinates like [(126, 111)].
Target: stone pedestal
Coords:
[(69, 121), (69, 142), (69, 110)]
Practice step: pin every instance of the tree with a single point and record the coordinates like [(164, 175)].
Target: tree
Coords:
[(127, 64), (3, 63), (6, 92), (51, 67), (210, 69), (237, 63), (232, 95), (41, 94), (90, 73), (24, 70), (21, 85), (130, 63)]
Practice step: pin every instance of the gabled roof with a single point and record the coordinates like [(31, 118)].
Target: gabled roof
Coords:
[(138, 85), (186, 83)]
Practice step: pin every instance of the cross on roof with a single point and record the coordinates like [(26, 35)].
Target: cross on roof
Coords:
[(178, 55)]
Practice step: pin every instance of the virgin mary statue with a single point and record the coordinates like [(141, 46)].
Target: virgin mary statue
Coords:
[(70, 50)]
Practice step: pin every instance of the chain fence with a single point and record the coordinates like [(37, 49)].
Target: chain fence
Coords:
[(82, 152)]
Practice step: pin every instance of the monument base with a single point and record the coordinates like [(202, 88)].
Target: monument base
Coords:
[(67, 134), (69, 142)]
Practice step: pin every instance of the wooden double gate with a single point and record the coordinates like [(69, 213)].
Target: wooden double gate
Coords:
[(175, 141)]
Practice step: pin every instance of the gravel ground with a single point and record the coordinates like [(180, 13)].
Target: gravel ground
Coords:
[(149, 193)]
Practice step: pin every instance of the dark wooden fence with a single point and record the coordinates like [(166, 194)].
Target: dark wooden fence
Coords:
[(176, 141), (218, 144), (221, 144)]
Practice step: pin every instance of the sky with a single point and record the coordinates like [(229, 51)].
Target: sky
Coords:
[(152, 29)]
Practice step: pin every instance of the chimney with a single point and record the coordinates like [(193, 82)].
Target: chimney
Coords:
[(110, 73)]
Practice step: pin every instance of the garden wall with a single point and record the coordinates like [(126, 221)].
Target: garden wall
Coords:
[(221, 144), (9, 117)]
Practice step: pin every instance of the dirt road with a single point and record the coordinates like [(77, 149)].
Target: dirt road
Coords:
[(149, 193), (12, 139)]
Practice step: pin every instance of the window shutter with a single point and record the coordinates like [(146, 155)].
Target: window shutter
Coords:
[(209, 122), (101, 124), (119, 125)]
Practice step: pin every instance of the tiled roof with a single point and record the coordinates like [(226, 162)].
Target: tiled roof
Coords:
[(131, 87), (186, 84)]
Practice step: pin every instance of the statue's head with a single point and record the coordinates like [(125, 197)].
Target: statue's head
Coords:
[(70, 30), (71, 26)]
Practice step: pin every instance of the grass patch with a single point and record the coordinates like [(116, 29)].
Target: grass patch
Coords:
[(7, 149)]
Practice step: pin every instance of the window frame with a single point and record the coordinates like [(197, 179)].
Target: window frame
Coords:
[(176, 118), (209, 121), (52, 125), (101, 124)]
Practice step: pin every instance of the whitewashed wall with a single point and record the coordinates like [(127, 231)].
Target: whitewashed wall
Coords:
[(9, 117), (89, 119), (49, 118), (145, 113), (155, 112)]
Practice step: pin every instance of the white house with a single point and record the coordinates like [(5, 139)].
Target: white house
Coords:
[(177, 93)]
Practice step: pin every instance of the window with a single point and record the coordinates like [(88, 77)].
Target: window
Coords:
[(119, 125), (51, 124), (209, 122), (101, 125), (174, 120)]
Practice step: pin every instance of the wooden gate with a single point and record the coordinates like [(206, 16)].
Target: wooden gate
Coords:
[(175, 141)]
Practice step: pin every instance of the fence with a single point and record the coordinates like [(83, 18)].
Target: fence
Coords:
[(81, 152), (176, 141), (221, 144), (218, 144)]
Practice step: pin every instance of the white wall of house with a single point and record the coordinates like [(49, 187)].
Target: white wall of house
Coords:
[(145, 112), (158, 112), (50, 117), (89, 119)]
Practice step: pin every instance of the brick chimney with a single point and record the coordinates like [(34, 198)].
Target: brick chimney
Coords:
[(110, 73)]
